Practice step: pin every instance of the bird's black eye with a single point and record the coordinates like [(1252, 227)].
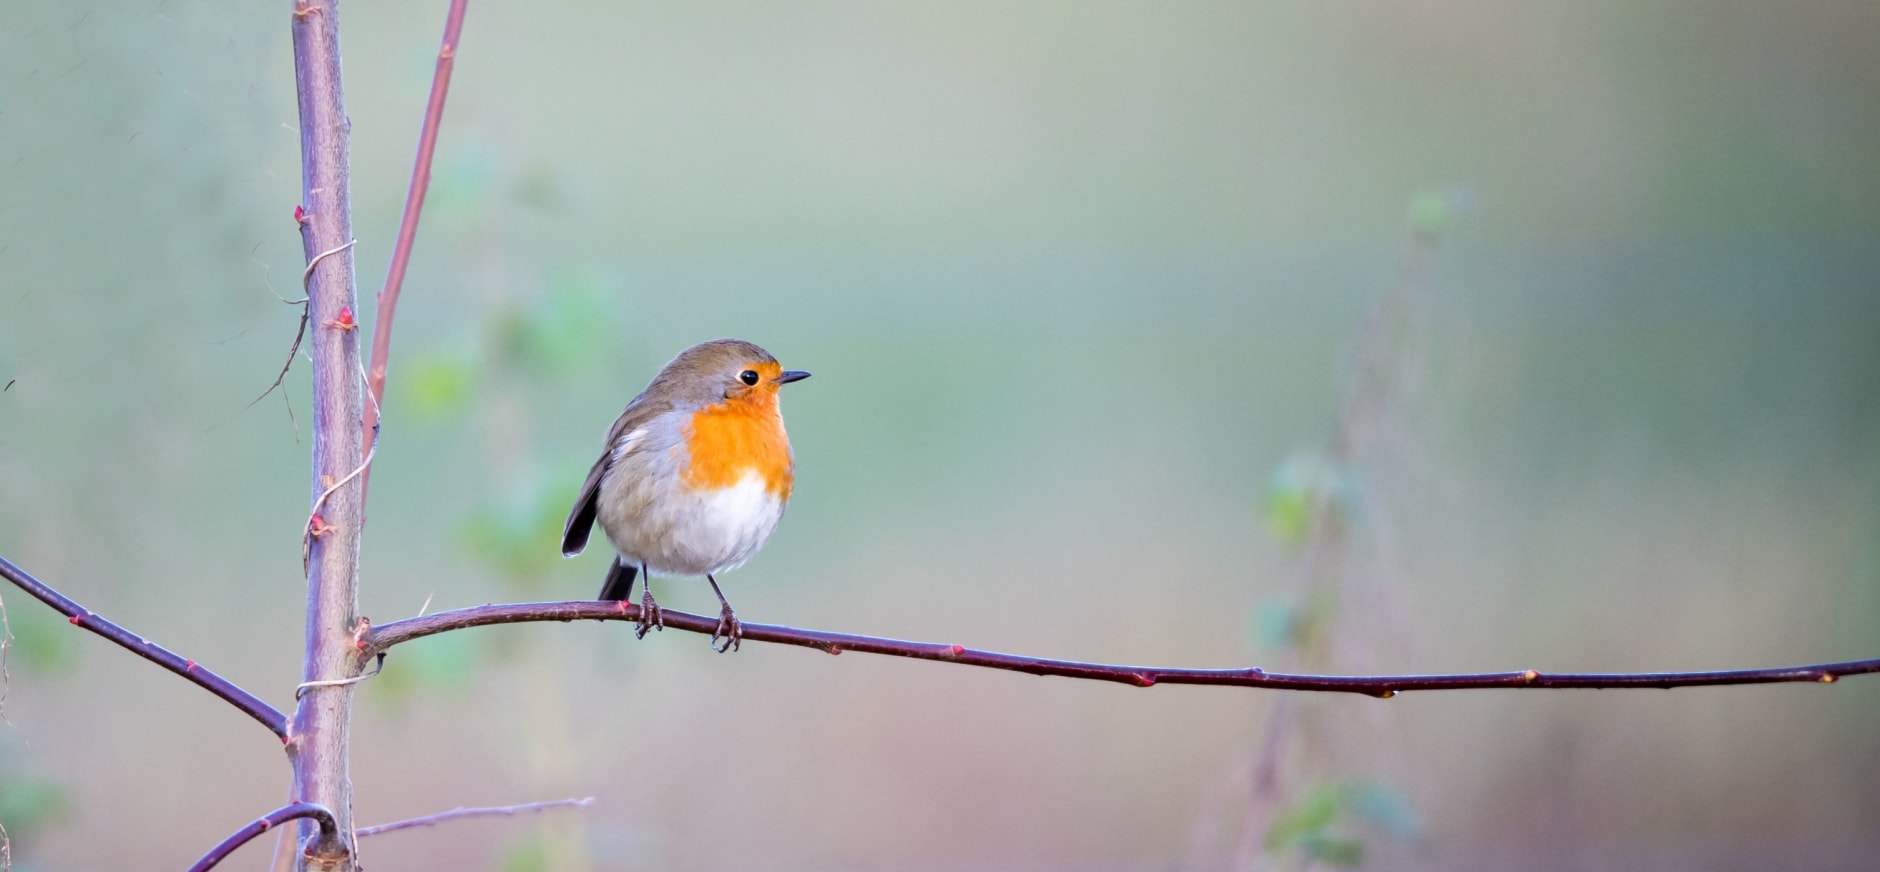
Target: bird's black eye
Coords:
[(748, 377)]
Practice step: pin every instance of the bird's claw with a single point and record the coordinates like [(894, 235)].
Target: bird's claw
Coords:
[(651, 616), (730, 630)]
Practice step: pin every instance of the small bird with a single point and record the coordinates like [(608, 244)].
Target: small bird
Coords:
[(694, 476)]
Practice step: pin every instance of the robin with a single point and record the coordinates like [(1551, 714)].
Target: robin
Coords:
[(694, 476)]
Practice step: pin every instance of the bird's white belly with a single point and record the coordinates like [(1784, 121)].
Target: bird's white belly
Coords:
[(691, 532)]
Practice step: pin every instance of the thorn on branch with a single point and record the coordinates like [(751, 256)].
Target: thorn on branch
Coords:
[(317, 526), (300, 215)]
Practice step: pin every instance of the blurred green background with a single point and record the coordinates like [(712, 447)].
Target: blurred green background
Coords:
[(1085, 287)]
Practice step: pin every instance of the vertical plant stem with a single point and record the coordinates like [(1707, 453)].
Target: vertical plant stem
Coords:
[(318, 746)]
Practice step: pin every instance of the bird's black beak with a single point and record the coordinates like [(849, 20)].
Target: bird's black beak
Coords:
[(790, 375)]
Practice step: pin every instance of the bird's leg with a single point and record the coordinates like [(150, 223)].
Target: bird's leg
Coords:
[(651, 615), (728, 629)]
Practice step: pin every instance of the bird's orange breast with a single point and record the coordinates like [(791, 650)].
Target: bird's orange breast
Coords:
[(740, 436)]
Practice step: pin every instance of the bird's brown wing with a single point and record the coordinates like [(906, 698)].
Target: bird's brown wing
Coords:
[(574, 535)]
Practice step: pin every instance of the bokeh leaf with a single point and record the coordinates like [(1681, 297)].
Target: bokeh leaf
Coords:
[(42, 641), (539, 187), (519, 538), (28, 803), (1434, 212), (1384, 807), (1274, 624), (462, 181), (527, 855), (443, 664), (1306, 818), (1303, 483), (438, 384), (1333, 851), (562, 331)]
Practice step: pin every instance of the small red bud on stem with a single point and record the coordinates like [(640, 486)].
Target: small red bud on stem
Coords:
[(344, 321)]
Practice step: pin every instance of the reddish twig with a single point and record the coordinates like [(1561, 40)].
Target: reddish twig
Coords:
[(329, 828), (408, 224), (268, 715), (431, 820), (1383, 686)]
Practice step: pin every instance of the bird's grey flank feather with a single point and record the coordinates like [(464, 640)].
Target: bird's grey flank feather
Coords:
[(574, 535)]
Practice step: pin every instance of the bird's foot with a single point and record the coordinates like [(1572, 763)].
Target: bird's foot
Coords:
[(651, 615), (729, 632)]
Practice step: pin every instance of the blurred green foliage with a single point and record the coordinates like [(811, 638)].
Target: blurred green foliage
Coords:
[(29, 804), (437, 383), (41, 641), (561, 330), (1307, 488), (528, 854), (1305, 827), (1433, 212), (506, 537), (1382, 806), (444, 666), (1326, 823), (32, 644)]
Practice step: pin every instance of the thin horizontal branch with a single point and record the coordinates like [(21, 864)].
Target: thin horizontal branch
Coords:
[(79, 616), (431, 820), (1383, 686), (319, 814)]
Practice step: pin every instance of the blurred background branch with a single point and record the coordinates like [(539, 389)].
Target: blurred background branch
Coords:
[(1314, 789), (460, 812)]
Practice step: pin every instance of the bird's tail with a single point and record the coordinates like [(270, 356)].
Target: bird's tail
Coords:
[(619, 584)]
